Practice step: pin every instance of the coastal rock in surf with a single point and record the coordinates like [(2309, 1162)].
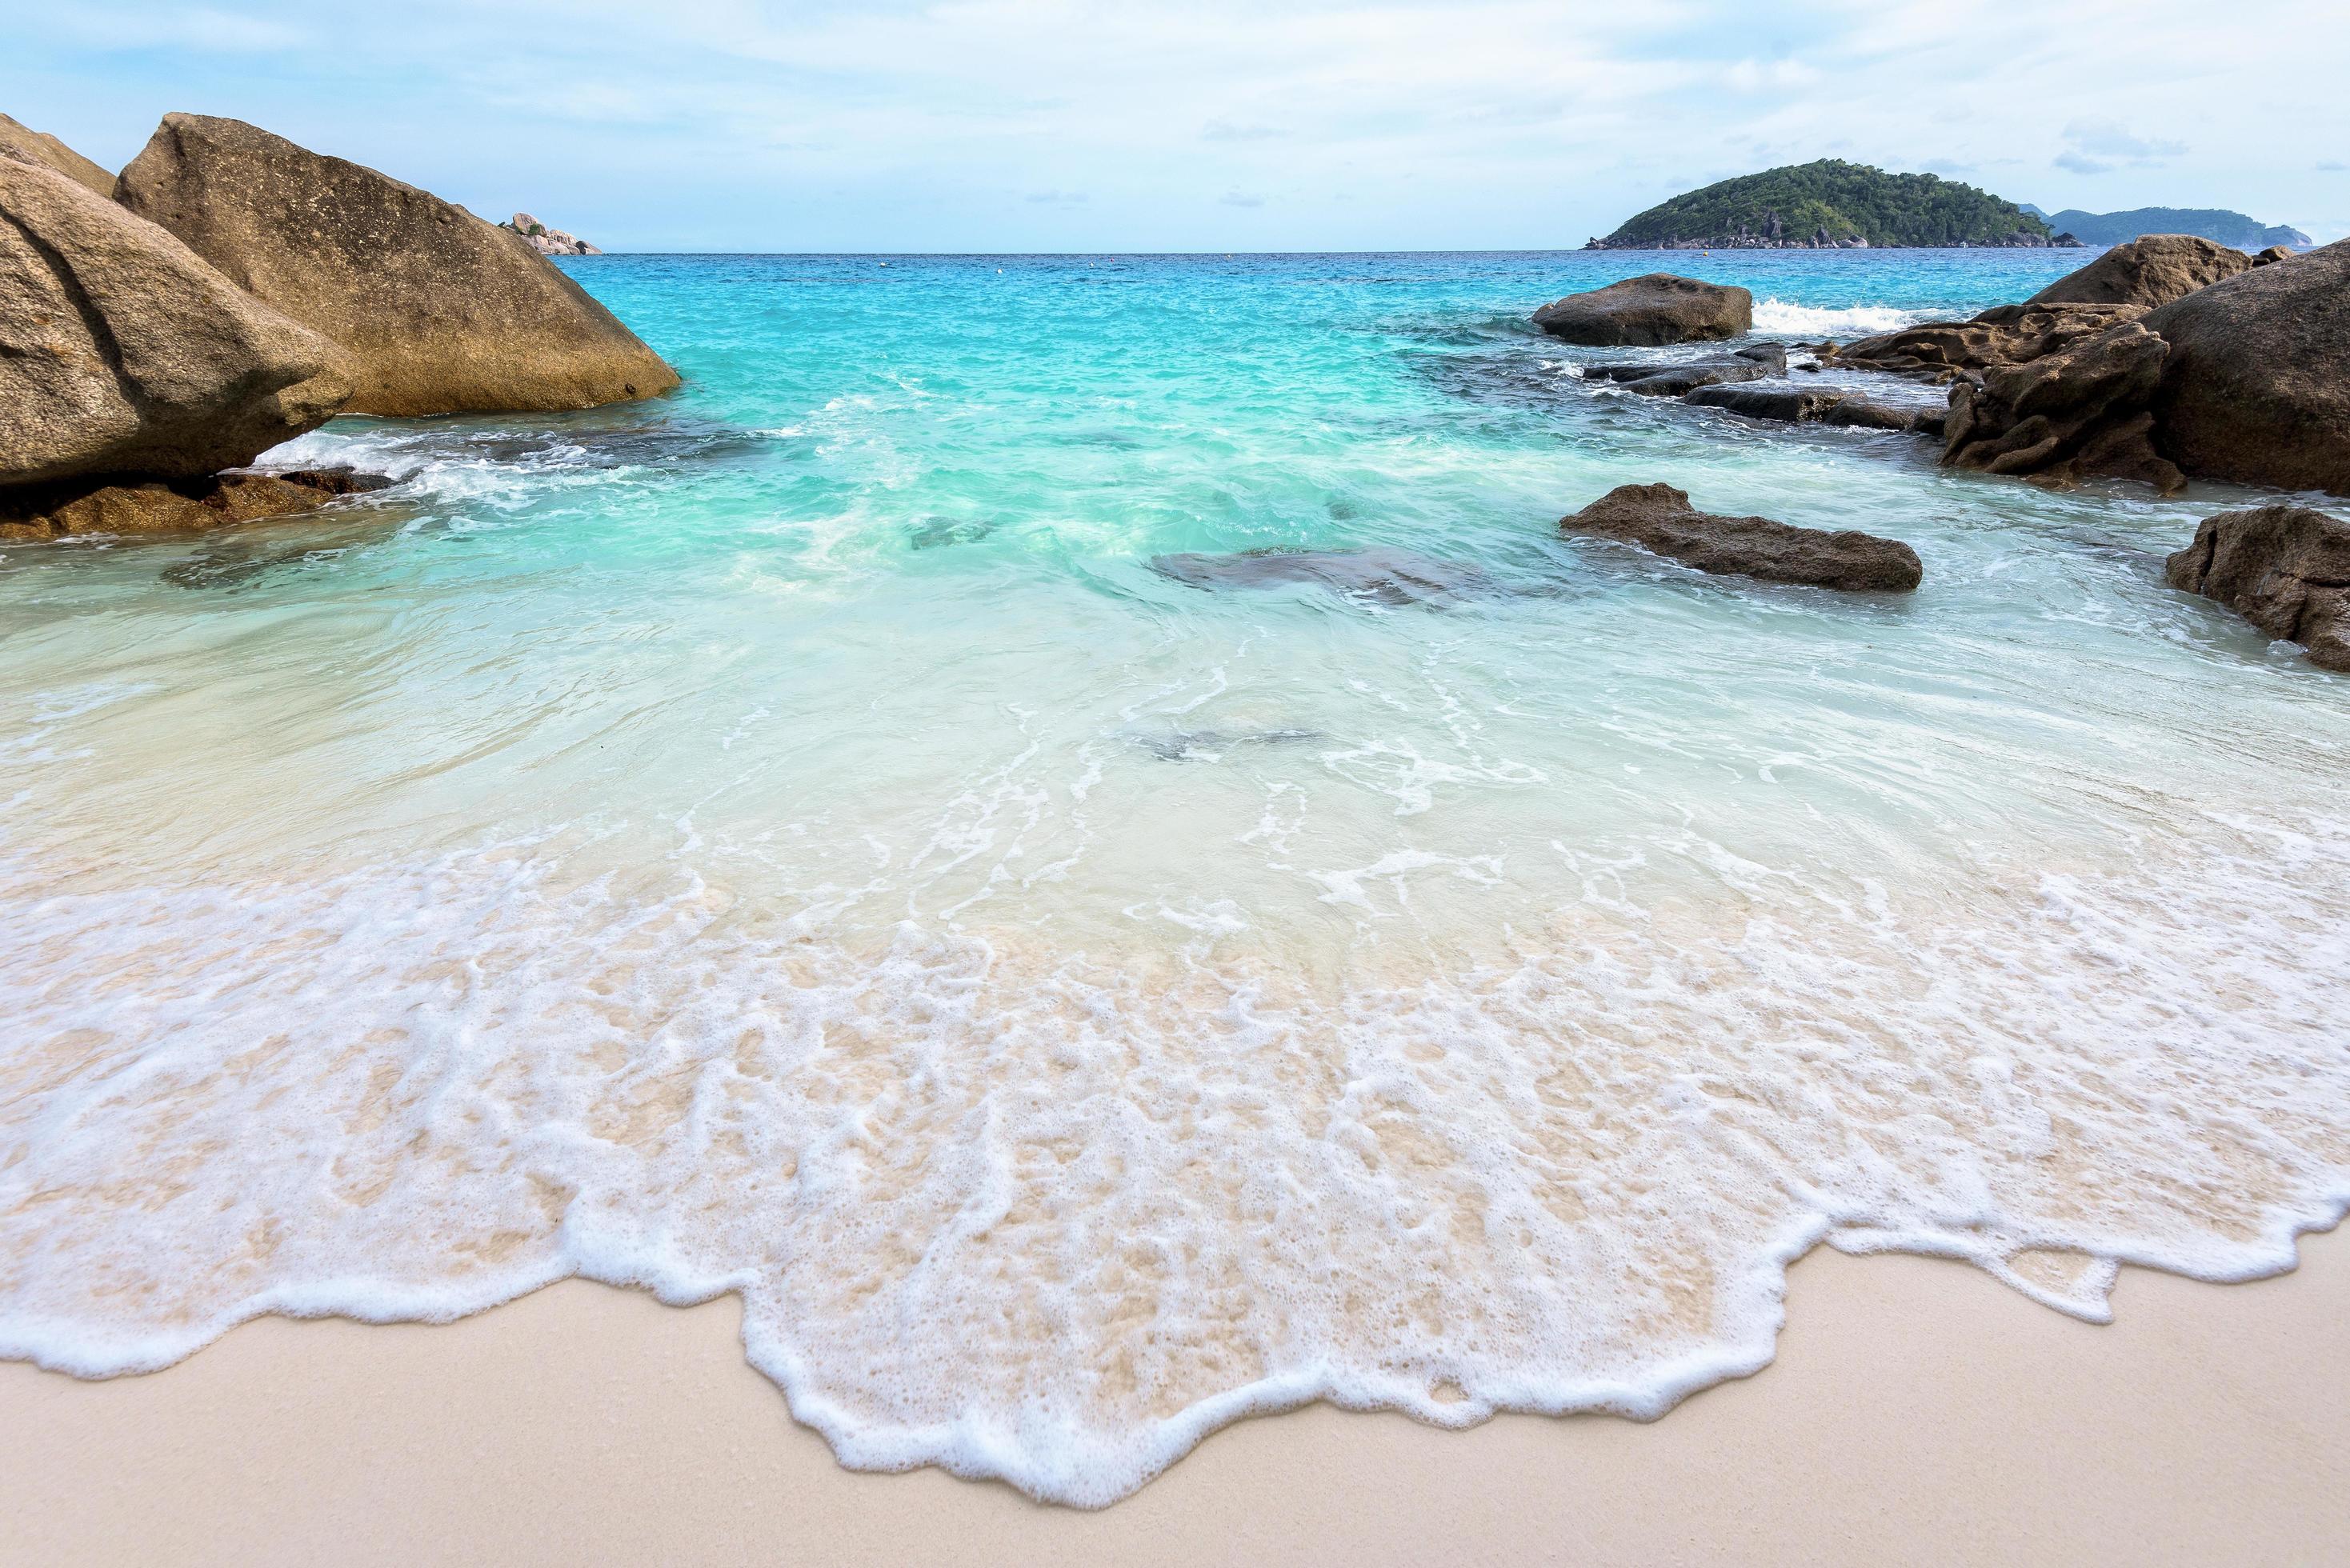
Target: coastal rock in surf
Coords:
[(440, 312), (123, 352), (2066, 416), (1817, 405), (181, 506), (547, 242), (1771, 357), (2284, 568), (20, 140), (1382, 575), (1676, 380), (2257, 385), (2150, 271), (2003, 335), (1660, 518), (1648, 311)]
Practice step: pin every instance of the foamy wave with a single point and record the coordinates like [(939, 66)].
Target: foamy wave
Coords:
[(1782, 317), (1053, 1217)]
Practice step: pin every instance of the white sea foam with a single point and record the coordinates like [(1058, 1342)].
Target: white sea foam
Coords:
[(1053, 1216), (1784, 318)]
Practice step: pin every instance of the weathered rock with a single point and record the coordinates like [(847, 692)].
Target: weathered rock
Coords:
[(123, 352), (182, 506), (2284, 568), (1660, 518), (2152, 270), (2274, 255), (1771, 357), (2003, 335), (548, 241), (1383, 575), (2257, 385), (1817, 405), (1654, 309), (2066, 415), (440, 311), (39, 147)]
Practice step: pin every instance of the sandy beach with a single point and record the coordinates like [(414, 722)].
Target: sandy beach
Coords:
[(1917, 1412)]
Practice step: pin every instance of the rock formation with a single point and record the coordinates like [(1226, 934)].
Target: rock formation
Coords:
[(548, 241), (1656, 380), (2003, 335), (181, 506), (1648, 311), (2257, 385), (121, 352), (39, 147), (2149, 272), (1660, 518), (2064, 416), (2284, 568), (439, 311), (1817, 405), (2274, 255)]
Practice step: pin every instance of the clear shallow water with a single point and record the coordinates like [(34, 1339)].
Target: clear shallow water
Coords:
[(789, 839)]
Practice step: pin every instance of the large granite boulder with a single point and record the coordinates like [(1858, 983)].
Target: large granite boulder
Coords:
[(1655, 309), (39, 147), (121, 352), (154, 507), (440, 312), (2257, 385), (1660, 518), (2152, 270), (2066, 415), (2284, 568), (2003, 335)]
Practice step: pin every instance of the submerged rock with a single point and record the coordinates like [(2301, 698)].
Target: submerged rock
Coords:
[(182, 506), (123, 352), (38, 147), (1384, 576), (2149, 271), (440, 312), (1676, 380), (1649, 311), (2284, 568), (1817, 405), (2066, 415), (2257, 385), (1659, 518)]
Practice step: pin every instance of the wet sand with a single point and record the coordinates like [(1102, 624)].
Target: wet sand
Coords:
[(1917, 1412)]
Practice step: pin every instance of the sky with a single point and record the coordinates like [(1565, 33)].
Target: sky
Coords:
[(1068, 125)]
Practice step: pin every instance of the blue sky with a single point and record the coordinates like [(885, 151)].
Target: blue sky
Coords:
[(1012, 125)]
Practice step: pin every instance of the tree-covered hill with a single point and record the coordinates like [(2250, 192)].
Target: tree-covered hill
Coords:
[(2216, 225), (1829, 203)]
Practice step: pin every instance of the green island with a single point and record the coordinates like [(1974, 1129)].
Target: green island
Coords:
[(1831, 204)]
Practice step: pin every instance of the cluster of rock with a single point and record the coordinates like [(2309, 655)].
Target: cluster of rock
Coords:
[(2166, 358), (548, 241), (230, 291)]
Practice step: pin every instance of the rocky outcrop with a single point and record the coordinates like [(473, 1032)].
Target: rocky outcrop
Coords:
[(38, 147), (1648, 311), (2257, 385), (2274, 255), (121, 352), (439, 312), (2064, 416), (183, 506), (1817, 405), (547, 242), (1675, 381), (2003, 335), (1659, 518), (2148, 272), (2284, 568)]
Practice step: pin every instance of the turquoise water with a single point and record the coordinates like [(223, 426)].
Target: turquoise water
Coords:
[(791, 838)]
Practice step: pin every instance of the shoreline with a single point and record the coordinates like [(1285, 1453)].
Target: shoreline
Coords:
[(1916, 1409)]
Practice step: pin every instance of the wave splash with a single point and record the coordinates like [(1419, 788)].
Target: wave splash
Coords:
[(1785, 319), (1052, 1217)]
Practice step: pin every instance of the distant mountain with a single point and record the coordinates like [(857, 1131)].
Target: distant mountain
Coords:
[(2212, 224), (1830, 204)]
